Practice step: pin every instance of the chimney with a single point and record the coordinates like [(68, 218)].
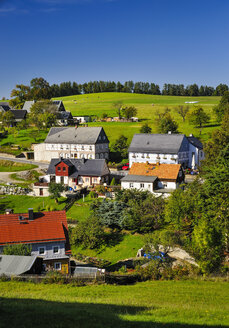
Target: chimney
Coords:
[(31, 214)]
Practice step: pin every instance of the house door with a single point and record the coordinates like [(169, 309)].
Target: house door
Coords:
[(41, 192), (62, 180)]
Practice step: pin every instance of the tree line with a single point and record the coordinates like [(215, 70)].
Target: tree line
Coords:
[(39, 88)]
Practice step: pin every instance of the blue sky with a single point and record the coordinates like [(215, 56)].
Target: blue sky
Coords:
[(161, 41)]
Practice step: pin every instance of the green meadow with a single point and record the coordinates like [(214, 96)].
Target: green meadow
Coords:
[(147, 106), (155, 304)]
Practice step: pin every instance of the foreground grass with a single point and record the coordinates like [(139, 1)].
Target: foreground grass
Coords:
[(170, 304), (9, 166), (20, 204), (80, 210)]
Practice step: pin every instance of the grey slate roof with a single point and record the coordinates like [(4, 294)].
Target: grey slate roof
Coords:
[(64, 116), (71, 135), (195, 142), (138, 178), (15, 264), (84, 167), (156, 143)]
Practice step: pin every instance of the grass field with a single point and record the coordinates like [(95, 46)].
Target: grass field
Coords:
[(147, 105), (80, 210), (159, 304), (121, 248), (20, 204), (9, 166)]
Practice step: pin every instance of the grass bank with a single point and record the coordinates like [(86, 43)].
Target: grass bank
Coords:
[(10, 166), (167, 304)]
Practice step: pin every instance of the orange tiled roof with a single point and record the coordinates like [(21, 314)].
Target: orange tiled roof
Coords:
[(162, 171), (46, 227)]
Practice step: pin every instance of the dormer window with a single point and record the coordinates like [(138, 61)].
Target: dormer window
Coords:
[(59, 169), (64, 168)]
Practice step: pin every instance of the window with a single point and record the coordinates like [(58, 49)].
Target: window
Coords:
[(94, 180), (41, 250), (59, 169), (142, 185), (55, 249), (90, 148), (57, 265), (61, 146), (82, 148), (64, 168), (131, 185), (148, 186), (86, 179)]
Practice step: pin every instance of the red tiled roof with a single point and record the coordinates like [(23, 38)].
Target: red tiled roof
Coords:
[(46, 227), (162, 171)]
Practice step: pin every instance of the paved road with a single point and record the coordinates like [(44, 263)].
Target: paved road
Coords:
[(26, 161)]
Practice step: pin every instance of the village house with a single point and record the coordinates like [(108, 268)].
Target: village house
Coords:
[(166, 148), (63, 117), (45, 232), (74, 173), (73, 142), (157, 178)]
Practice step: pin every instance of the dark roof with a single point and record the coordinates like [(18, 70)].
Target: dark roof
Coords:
[(19, 114), (85, 167), (138, 178), (5, 106), (195, 142), (64, 115), (156, 143), (80, 135)]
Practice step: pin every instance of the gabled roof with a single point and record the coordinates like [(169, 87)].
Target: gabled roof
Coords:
[(19, 114), (46, 227), (84, 167), (15, 264), (195, 142), (28, 104), (156, 143), (162, 171), (71, 135), (64, 115)]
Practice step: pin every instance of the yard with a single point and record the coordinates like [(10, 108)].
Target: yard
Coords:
[(169, 304)]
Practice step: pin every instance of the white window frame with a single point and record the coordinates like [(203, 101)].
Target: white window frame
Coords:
[(57, 263), (58, 249), (131, 185), (44, 250), (142, 185)]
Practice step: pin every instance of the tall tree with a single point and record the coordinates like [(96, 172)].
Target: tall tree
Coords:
[(167, 124), (182, 111), (199, 117)]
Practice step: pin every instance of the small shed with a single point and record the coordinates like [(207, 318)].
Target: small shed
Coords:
[(16, 265)]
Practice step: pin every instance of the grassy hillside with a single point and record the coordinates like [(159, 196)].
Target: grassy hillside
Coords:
[(147, 105), (168, 304)]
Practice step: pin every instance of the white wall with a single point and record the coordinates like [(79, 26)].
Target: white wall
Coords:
[(136, 185), (152, 158)]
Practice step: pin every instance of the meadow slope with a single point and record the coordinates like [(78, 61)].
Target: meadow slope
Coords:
[(147, 105)]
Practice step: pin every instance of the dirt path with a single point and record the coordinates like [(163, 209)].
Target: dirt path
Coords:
[(5, 177)]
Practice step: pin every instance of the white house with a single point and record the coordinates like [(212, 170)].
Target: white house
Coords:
[(166, 149), (157, 178), (73, 142)]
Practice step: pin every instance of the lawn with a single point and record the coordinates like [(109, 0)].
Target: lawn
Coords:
[(121, 248), (20, 204), (10, 166), (80, 210), (159, 304), (23, 138)]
